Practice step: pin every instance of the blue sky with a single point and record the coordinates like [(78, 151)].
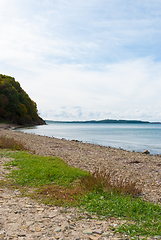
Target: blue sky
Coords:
[(82, 60)]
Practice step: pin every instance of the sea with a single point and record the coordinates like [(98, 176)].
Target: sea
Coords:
[(133, 137)]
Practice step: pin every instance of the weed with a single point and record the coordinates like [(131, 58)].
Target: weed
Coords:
[(59, 195), (106, 180), (10, 143)]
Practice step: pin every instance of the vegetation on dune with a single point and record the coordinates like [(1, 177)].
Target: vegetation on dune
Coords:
[(15, 104)]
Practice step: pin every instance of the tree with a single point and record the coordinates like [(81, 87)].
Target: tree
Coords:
[(15, 104)]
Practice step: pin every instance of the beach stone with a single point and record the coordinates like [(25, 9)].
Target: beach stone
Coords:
[(97, 231), (93, 238), (106, 234), (2, 234), (88, 231), (57, 229), (64, 227), (52, 215), (146, 152), (29, 223)]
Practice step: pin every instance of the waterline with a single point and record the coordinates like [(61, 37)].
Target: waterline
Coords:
[(132, 137)]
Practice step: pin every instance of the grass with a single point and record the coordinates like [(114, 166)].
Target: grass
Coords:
[(100, 192), (144, 218), (106, 180), (10, 143), (36, 170)]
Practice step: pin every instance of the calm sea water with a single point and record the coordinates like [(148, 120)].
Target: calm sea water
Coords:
[(133, 137)]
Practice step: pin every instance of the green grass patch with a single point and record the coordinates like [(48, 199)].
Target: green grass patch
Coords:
[(36, 170), (145, 216)]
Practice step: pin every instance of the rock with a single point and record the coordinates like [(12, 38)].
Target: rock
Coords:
[(88, 231), (40, 209), (106, 234), (52, 215), (112, 218), (157, 237), (29, 223), (37, 229), (145, 152), (57, 229), (98, 231), (2, 234), (64, 227), (93, 238)]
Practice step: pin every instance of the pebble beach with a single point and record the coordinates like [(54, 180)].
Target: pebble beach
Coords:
[(135, 166)]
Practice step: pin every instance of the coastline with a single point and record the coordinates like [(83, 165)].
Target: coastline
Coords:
[(143, 168)]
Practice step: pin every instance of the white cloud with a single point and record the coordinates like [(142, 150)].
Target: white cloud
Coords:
[(103, 56), (127, 89)]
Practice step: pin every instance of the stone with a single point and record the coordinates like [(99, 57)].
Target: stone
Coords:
[(29, 223), (2, 234), (57, 229), (40, 209), (93, 238), (64, 227), (106, 234), (98, 231), (21, 234), (88, 231), (145, 152), (157, 237), (37, 229), (112, 218), (117, 235), (52, 215)]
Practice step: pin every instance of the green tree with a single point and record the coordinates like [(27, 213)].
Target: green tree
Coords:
[(15, 104)]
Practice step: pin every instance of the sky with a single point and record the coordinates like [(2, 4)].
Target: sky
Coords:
[(85, 60)]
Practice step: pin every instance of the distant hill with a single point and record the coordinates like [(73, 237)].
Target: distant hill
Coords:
[(106, 121), (15, 104)]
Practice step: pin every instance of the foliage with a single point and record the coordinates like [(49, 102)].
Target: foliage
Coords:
[(15, 104)]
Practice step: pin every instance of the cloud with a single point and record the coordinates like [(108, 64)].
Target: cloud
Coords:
[(103, 56), (62, 32), (127, 89)]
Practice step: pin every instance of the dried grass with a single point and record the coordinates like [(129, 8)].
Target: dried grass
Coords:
[(107, 181), (10, 143)]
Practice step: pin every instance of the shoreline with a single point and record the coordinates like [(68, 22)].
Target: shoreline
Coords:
[(135, 166), (145, 148)]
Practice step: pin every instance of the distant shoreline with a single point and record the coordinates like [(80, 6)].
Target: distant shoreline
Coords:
[(106, 121)]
